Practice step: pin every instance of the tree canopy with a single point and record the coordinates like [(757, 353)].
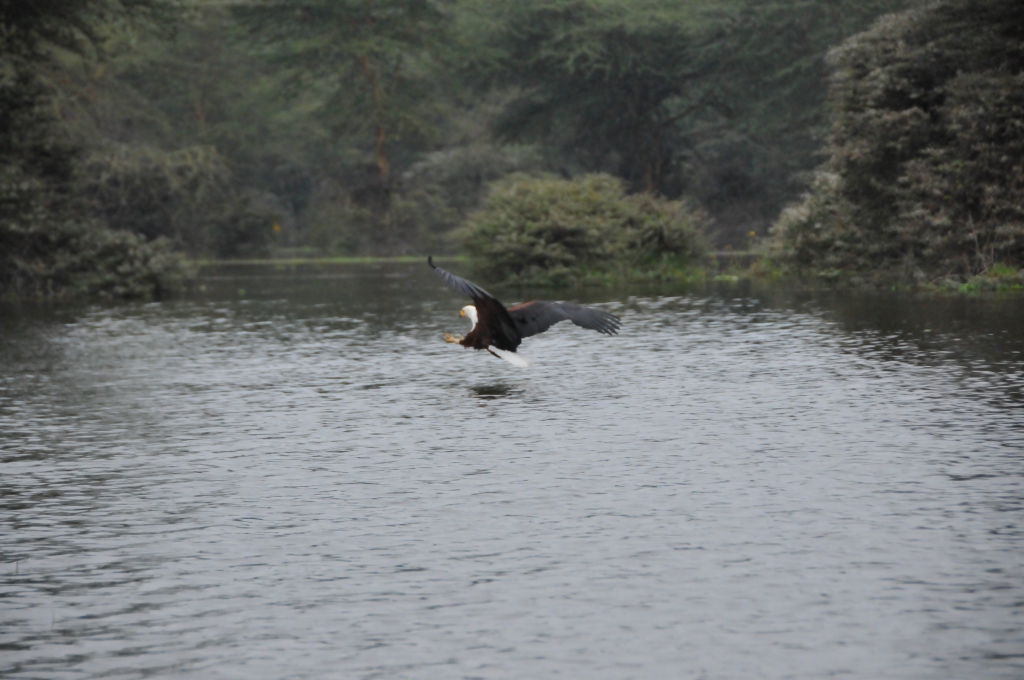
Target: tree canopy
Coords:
[(49, 244), (376, 127), (925, 174)]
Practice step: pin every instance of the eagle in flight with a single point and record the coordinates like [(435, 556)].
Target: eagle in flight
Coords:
[(500, 330)]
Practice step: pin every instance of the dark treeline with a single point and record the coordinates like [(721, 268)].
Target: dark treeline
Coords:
[(925, 173), (137, 129)]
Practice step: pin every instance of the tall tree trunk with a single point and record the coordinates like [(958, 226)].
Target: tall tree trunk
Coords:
[(380, 146)]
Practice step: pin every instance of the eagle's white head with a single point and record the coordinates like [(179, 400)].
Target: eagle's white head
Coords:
[(469, 311)]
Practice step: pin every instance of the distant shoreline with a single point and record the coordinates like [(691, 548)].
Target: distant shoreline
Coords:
[(294, 261), (718, 266), (402, 259)]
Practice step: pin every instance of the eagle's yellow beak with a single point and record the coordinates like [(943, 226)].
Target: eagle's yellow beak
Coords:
[(462, 312)]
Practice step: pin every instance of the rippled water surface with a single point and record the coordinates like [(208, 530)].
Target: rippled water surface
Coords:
[(291, 475)]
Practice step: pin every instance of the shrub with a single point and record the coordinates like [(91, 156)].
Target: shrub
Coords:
[(53, 254), (186, 196), (556, 231), (116, 264)]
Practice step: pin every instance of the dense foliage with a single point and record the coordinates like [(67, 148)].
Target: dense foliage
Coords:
[(718, 101), (371, 64), (926, 171), (599, 83), (556, 231), (49, 244), (374, 127), (185, 196)]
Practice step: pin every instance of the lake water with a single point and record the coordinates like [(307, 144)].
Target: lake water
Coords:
[(290, 475)]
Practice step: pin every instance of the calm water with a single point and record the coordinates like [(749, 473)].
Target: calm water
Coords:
[(300, 479)]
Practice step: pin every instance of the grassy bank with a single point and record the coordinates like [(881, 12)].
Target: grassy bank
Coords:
[(722, 266)]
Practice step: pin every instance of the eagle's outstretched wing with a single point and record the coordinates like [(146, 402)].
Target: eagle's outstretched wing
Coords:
[(460, 284), (537, 316), (494, 325)]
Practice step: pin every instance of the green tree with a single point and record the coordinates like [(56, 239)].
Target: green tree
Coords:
[(364, 64), (599, 83), (721, 101), (755, 150), (925, 175), (47, 246)]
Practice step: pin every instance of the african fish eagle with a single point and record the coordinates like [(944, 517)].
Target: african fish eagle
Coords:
[(500, 330)]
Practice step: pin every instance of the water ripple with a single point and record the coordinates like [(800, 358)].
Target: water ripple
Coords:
[(310, 484)]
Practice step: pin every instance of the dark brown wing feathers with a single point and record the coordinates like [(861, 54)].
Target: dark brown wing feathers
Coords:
[(537, 316), (494, 325), (460, 284), (505, 328)]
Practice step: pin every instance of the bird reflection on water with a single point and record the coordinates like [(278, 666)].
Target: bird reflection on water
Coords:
[(495, 391)]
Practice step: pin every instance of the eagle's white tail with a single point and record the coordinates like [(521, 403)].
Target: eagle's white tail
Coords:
[(510, 357)]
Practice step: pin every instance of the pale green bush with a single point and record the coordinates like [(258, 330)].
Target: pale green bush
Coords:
[(556, 231)]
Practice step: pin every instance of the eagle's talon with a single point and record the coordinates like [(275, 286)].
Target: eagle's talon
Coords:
[(448, 337)]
